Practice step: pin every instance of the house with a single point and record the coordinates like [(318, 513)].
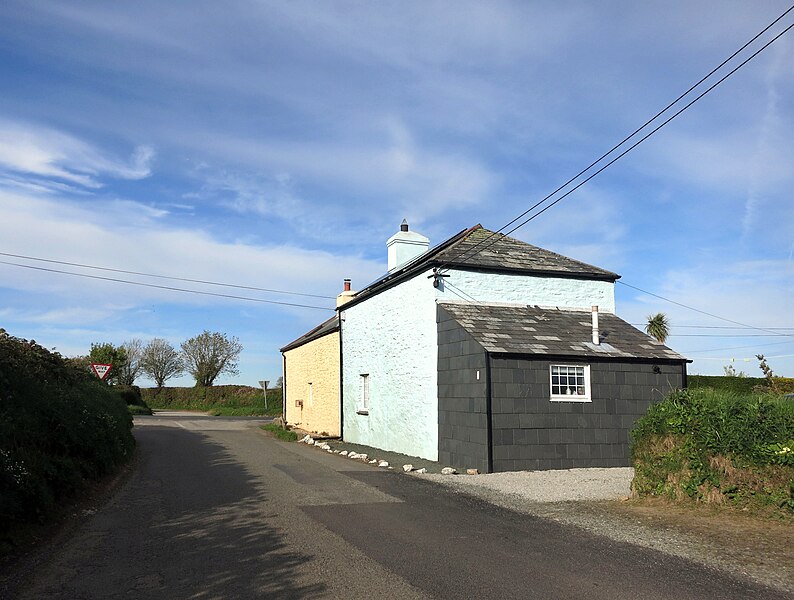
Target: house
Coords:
[(461, 353), (311, 376)]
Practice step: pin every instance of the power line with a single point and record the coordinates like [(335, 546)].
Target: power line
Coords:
[(736, 347), (703, 312), (719, 327), (492, 238), (728, 335), (229, 285), (162, 287)]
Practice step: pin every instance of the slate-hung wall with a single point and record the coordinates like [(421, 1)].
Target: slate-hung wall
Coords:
[(532, 432), (462, 416)]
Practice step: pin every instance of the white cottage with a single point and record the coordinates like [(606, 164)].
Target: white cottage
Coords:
[(389, 330)]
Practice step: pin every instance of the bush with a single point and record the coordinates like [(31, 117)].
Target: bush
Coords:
[(136, 409), (715, 447), (736, 385), (60, 427), (213, 397)]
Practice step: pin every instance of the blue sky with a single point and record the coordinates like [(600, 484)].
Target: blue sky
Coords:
[(278, 145)]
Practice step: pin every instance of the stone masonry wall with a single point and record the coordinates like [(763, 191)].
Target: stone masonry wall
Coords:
[(315, 363)]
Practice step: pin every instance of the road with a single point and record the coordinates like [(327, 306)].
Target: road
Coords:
[(216, 509)]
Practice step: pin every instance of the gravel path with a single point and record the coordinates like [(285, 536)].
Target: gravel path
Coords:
[(548, 486)]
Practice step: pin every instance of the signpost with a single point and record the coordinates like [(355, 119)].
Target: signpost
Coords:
[(101, 371), (264, 384)]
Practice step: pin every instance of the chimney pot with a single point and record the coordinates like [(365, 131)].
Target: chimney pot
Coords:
[(347, 285), (404, 225)]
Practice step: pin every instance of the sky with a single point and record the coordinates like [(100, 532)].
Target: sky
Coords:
[(278, 145)]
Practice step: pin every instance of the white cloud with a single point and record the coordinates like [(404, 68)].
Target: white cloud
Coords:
[(30, 150), (134, 238)]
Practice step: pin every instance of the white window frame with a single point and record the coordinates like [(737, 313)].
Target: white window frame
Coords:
[(586, 397), (364, 395)]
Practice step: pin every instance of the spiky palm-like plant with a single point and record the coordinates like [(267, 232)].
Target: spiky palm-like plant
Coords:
[(658, 327)]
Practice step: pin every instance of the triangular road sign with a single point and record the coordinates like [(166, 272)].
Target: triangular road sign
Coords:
[(101, 371)]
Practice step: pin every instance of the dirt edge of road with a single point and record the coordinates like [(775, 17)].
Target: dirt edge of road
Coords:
[(38, 543)]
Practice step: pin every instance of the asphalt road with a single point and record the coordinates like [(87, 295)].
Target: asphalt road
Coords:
[(215, 509)]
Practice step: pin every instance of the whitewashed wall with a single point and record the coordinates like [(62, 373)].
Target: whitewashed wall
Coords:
[(526, 289), (392, 337)]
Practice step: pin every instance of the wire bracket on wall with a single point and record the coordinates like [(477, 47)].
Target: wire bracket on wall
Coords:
[(437, 277)]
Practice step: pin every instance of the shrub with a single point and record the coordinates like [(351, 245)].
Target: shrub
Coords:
[(59, 428), (209, 398), (736, 385), (716, 446)]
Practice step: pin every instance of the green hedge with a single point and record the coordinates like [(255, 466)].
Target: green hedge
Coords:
[(59, 428), (206, 398), (717, 446), (737, 385)]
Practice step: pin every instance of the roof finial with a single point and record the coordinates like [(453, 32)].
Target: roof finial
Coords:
[(404, 225)]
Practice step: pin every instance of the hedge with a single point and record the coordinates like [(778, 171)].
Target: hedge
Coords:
[(59, 429), (717, 447), (205, 398), (737, 385)]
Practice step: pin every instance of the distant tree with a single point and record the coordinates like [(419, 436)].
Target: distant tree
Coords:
[(730, 371), (208, 355), (658, 327), (108, 354), (280, 381), (161, 361), (129, 370)]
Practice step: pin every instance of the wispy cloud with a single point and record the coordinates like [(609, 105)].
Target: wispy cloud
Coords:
[(47, 154)]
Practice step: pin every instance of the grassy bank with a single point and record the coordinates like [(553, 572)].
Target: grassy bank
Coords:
[(283, 434), (221, 400), (718, 447), (60, 429)]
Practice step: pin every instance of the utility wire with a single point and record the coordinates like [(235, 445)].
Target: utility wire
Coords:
[(492, 238), (718, 327), (703, 312), (736, 347), (162, 287), (229, 285)]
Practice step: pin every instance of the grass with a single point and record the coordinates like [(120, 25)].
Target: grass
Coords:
[(136, 409), (285, 435), (242, 411)]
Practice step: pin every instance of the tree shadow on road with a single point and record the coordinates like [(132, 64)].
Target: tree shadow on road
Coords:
[(193, 522)]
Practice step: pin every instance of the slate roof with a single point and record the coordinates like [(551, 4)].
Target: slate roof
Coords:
[(322, 329), (549, 331), (480, 248)]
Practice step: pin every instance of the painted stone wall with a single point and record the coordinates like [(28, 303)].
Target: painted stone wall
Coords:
[(315, 363), (391, 337), (532, 432), (462, 386), (527, 289)]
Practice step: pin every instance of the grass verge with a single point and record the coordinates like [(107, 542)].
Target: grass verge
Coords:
[(284, 435)]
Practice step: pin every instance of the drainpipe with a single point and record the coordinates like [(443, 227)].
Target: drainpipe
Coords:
[(283, 390), (488, 412), (341, 381), (596, 338)]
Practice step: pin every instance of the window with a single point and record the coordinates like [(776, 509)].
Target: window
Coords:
[(570, 383), (363, 401)]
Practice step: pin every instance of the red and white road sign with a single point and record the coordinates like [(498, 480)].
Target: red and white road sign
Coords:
[(101, 371)]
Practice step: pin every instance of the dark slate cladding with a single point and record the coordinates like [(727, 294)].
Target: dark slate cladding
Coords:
[(322, 329), (518, 329), (462, 418), (530, 432)]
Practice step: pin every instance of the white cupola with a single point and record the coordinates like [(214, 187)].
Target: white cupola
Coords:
[(405, 245)]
